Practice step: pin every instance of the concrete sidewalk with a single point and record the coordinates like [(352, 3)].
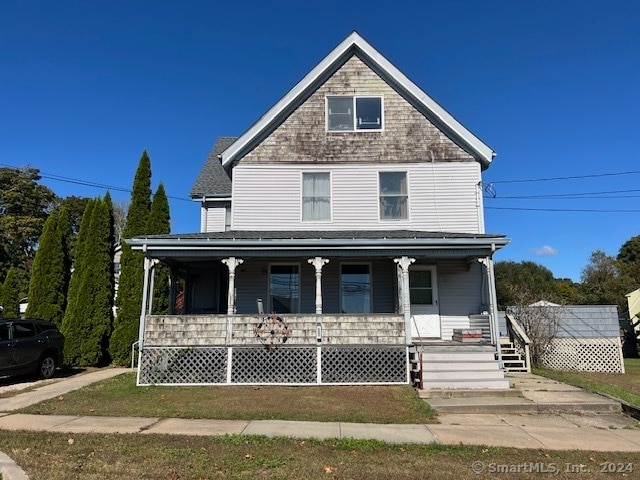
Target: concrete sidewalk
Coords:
[(605, 432), (547, 429)]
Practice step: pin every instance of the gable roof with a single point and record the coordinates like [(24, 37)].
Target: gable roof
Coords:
[(354, 44), (213, 180)]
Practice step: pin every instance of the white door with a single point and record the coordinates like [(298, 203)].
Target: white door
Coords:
[(425, 311)]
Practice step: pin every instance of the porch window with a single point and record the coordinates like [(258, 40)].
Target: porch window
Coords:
[(346, 114), (355, 288), (284, 288), (393, 196), (316, 196)]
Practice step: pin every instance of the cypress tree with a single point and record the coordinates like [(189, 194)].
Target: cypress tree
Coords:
[(129, 298), (80, 260), (89, 317), (50, 275), (10, 295), (159, 223)]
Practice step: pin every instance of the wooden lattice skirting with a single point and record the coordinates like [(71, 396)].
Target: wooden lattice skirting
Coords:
[(290, 365), (585, 355)]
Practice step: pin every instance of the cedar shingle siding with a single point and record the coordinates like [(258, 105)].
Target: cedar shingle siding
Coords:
[(407, 137)]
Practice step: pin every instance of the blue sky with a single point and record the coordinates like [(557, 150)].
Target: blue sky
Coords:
[(552, 87)]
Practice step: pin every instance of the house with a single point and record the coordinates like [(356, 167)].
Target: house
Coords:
[(352, 214)]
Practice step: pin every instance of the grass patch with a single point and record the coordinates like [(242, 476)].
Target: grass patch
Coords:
[(120, 397), (52, 456), (625, 386)]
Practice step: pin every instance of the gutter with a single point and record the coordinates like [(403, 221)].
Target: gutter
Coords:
[(180, 243)]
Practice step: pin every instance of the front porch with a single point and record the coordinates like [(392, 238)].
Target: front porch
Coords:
[(347, 305), (291, 350)]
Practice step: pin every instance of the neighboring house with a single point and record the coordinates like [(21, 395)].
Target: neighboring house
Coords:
[(633, 302), (353, 209)]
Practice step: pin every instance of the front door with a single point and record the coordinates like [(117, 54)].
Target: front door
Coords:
[(425, 311)]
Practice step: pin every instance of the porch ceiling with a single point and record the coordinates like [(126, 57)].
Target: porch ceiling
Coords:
[(319, 243)]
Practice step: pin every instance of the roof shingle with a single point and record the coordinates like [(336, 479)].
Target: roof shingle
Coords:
[(213, 179)]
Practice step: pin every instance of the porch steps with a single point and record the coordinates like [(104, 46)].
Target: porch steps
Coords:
[(511, 359), (458, 367), (481, 322)]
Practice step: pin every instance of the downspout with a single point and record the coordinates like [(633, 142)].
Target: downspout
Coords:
[(493, 306)]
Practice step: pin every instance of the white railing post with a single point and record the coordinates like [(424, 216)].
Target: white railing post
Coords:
[(404, 263), (318, 263)]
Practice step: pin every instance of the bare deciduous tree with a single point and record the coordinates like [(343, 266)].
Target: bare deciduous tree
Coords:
[(540, 321), (119, 218)]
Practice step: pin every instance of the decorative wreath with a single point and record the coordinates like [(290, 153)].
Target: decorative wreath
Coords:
[(272, 332)]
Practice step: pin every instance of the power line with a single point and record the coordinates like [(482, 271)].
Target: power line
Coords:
[(575, 195), (551, 197), (87, 183), (586, 210), (574, 177)]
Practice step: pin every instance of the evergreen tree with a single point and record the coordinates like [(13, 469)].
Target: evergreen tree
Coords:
[(129, 298), (50, 275), (89, 316), (159, 223), (10, 295)]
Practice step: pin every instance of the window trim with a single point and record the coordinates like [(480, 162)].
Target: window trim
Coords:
[(408, 217), (354, 129), (370, 267), (325, 220)]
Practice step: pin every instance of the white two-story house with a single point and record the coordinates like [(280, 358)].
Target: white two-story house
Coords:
[(341, 230)]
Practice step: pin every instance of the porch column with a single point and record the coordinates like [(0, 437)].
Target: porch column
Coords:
[(145, 301), (152, 281), (232, 263), (493, 306), (318, 263), (404, 263)]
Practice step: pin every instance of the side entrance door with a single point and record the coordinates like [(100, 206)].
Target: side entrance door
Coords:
[(425, 310)]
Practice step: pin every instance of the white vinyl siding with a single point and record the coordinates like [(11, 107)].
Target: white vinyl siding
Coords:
[(442, 197), (213, 219), (460, 292)]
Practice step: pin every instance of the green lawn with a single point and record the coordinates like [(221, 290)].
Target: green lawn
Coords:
[(119, 396), (56, 456), (625, 386)]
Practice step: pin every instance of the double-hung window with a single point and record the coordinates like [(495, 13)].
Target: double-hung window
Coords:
[(348, 114), (316, 196), (394, 198)]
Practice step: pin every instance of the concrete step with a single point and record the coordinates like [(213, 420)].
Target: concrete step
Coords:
[(486, 404), (464, 393), (437, 375), (446, 365), (458, 356), (469, 384)]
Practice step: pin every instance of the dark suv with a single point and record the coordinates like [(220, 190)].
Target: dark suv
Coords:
[(29, 346)]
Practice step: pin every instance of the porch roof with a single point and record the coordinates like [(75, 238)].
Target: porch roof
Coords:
[(377, 243)]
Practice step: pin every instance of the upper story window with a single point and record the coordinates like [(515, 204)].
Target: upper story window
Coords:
[(394, 199), (316, 196), (347, 114)]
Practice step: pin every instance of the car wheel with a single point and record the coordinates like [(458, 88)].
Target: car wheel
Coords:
[(47, 367)]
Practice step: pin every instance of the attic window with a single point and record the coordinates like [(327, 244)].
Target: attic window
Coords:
[(348, 114)]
